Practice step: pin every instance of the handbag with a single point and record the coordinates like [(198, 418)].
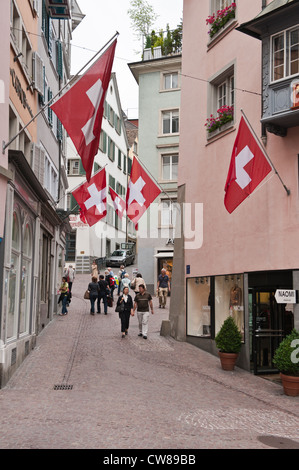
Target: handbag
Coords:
[(86, 295), (109, 301), (120, 308)]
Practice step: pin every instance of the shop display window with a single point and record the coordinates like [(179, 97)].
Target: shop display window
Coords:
[(199, 307), (229, 300)]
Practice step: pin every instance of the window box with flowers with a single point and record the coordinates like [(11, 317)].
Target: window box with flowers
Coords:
[(220, 122), (220, 19)]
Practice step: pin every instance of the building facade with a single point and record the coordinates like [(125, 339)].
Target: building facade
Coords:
[(35, 229), (159, 80), (107, 235), (233, 264)]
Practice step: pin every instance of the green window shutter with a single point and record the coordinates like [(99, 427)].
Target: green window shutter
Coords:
[(81, 169), (59, 64), (129, 165), (50, 112), (59, 130), (73, 202), (96, 167)]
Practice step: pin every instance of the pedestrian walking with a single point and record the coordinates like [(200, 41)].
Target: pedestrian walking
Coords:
[(163, 287), (125, 302), (111, 281), (64, 293), (94, 269), (121, 275), (69, 273), (102, 294), (142, 302), (136, 283), (125, 282), (93, 289)]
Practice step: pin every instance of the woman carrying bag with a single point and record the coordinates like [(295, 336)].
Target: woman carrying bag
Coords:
[(93, 288), (124, 307)]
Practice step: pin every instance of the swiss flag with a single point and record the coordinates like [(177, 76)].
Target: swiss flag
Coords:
[(92, 197), (80, 109), (141, 192), (248, 167), (118, 203)]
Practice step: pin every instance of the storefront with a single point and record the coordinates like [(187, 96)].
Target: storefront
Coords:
[(165, 260), (250, 299)]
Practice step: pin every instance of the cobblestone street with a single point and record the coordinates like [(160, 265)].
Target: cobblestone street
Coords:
[(136, 394)]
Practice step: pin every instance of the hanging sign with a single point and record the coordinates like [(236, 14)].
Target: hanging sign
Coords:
[(285, 296)]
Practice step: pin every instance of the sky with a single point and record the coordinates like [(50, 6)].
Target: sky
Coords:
[(102, 20)]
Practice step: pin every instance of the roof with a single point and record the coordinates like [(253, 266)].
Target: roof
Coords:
[(254, 27)]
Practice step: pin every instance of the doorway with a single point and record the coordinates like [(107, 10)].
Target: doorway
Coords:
[(270, 324)]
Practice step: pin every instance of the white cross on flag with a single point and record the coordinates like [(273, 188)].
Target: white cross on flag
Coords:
[(248, 167), (92, 197), (80, 109), (141, 192), (118, 203)]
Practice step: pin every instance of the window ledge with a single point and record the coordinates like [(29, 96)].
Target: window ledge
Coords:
[(221, 132), (221, 33)]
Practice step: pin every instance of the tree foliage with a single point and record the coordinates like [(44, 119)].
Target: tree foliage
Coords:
[(142, 16)]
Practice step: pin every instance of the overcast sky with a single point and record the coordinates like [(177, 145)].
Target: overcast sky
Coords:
[(102, 20)]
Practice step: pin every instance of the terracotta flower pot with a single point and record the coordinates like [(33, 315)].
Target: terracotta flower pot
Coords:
[(290, 384), (228, 360)]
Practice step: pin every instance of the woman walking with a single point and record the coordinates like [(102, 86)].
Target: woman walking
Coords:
[(93, 288), (124, 315), (136, 283), (64, 291)]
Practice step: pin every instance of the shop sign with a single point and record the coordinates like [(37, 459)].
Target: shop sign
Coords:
[(20, 92), (284, 296)]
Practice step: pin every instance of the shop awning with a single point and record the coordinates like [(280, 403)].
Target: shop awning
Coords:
[(164, 254)]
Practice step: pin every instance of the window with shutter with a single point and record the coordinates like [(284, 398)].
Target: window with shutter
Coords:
[(50, 112), (59, 60), (38, 73)]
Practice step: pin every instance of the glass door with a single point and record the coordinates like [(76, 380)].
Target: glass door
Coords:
[(270, 324)]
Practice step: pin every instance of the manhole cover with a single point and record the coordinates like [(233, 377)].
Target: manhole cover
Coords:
[(63, 387)]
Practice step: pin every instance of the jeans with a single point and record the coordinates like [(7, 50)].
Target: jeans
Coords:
[(92, 299), (64, 302), (102, 295)]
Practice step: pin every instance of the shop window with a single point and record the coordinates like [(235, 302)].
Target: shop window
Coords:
[(13, 279), (26, 281), (199, 307), (229, 300)]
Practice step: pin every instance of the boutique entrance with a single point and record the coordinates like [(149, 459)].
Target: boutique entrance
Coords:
[(270, 323)]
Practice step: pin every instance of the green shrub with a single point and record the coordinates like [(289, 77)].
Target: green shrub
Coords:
[(229, 338), (285, 355)]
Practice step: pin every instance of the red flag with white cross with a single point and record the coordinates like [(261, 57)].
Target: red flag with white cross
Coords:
[(248, 167), (80, 109), (92, 198), (118, 203), (141, 192)]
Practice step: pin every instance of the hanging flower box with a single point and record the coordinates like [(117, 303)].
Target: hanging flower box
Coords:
[(225, 115), (219, 20)]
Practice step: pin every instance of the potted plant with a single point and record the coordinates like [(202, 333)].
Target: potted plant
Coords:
[(219, 20), (286, 359), (228, 341), (225, 115)]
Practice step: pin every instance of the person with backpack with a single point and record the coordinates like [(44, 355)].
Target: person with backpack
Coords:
[(102, 294)]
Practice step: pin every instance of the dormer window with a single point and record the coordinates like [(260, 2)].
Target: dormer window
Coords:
[(285, 54)]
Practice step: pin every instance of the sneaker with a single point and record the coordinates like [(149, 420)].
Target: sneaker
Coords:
[(144, 337), (140, 334)]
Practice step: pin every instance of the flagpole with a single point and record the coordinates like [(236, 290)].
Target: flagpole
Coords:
[(5, 145), (265, 152)]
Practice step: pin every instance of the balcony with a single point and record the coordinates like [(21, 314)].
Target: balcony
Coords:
[(59, 9), (164, 44)]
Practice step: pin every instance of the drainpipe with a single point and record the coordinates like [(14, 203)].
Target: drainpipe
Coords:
[(264, 4)]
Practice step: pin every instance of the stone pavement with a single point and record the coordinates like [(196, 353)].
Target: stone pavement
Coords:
[(136, 394)]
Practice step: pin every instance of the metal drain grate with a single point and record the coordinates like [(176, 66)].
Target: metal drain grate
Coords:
[(63, 387)]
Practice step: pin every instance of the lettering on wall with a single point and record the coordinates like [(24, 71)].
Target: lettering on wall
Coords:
[(20, 92)]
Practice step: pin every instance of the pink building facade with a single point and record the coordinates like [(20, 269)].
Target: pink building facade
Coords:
[(235, 262)]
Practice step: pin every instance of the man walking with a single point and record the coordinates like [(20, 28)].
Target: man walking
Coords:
[(142, 301), (163, 287)]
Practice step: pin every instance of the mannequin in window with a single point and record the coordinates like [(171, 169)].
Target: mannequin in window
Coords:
[(235, 305)]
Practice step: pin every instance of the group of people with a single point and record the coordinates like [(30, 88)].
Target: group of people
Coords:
[(102, 286)]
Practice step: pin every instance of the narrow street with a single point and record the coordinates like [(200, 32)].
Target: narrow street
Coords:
[(136, 394)]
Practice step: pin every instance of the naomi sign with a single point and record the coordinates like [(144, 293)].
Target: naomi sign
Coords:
[(285, 296)]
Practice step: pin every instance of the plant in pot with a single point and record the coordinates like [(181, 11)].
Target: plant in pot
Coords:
[(286, 359), (228, 341)]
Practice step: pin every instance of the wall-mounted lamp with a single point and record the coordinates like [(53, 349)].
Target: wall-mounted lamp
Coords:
[(17, 56)]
